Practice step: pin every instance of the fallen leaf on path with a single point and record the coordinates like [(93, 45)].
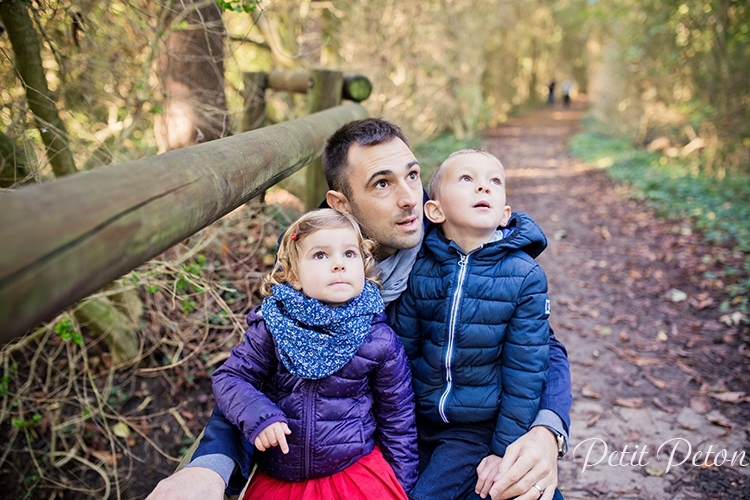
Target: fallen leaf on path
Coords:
[(662, 406), (718, 418), (732, 319), (588, 392), (593, 420), (656, 382), (701, 404), (628, 402), (676, 295), (602, 331), (702, 301), (731, 397), (598, 488), (640, 361), (653, 471)]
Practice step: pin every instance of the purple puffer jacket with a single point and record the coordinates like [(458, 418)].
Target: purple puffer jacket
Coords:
[(334, 421)]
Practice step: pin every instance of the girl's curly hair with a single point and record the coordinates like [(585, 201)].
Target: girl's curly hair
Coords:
[(285, 269)]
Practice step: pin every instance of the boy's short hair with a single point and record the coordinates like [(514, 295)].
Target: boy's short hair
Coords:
[(367, 132), (433, 188)]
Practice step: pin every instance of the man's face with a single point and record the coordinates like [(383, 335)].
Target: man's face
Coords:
[(385, 195)]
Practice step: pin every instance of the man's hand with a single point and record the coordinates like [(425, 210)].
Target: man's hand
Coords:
[(273, 435), (529, 464), (190, 483)]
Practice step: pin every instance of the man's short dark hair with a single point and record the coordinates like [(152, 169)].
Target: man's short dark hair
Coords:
[(367, 132)]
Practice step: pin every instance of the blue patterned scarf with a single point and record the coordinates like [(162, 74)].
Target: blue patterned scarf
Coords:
[(315, 340)]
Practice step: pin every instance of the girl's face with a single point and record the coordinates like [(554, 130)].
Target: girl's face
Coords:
[(331, 268)]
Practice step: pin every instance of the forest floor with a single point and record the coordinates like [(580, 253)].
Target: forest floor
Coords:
[(660, 376)]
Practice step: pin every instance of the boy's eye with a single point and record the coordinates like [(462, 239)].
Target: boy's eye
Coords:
[(465, 178), (382, 184), (413, 176), (496, 181)]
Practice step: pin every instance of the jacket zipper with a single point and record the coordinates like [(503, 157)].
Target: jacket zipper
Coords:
[(462, 264), (309, 426)]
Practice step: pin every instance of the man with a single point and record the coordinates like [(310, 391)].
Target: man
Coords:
[(374, 176)]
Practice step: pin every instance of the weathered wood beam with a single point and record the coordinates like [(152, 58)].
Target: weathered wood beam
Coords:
[(63, 240), (355, 87)]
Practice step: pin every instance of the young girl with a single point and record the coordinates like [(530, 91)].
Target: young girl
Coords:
[(321, 384)]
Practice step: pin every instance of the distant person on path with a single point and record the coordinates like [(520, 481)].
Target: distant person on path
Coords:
[(320, 384), (551, 95), (567, 86), (374, 176), (474, 322)]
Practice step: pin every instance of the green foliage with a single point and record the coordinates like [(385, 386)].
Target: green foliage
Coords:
[(432, 153), (245, 6), (681, 72), (21, 423), (675, 189), (67, 331)]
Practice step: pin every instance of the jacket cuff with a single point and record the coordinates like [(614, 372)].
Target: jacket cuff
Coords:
[(221, 464), (550, 420)]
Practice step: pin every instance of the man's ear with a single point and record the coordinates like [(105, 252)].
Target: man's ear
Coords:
[(338, 201), (506, 216), (434, 212)]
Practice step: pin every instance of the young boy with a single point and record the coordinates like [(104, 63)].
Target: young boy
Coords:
[(474, 322)]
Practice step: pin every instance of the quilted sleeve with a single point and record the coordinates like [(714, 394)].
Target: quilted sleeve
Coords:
[(236, 383), (525, 361), (395, 412)]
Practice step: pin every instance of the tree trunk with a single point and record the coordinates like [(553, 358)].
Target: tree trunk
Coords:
[(191, 69), (13, 162), (42, 103)]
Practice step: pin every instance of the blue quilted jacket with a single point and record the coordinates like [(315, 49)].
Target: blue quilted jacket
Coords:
[(475, 327), (336, 420)]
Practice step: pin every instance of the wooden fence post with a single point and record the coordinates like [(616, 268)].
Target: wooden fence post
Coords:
[(255, 100), (325, 93)]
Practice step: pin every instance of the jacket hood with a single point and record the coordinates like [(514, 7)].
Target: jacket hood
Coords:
[(521, 233)]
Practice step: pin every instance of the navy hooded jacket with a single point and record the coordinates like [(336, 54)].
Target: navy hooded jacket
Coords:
[(475, 327)]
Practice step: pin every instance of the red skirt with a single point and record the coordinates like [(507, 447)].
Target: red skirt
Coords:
[(369, 477)]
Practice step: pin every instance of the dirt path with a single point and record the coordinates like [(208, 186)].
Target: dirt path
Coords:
[(651, 366)]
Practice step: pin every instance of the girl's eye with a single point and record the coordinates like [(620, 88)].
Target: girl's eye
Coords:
[(350, 254), (496, 181), (319, 255), (465, 178)]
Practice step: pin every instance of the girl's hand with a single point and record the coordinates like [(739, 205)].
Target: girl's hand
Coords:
[(273, 435)]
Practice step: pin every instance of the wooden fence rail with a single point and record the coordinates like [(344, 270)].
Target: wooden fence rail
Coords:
[(65, 239)]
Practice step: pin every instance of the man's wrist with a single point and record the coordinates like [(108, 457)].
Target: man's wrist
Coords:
[(220, 464), (549, 420)]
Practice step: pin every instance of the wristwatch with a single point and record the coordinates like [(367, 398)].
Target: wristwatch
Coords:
[(560, 444)]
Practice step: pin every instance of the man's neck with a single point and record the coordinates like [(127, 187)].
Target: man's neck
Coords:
[(383, 253)]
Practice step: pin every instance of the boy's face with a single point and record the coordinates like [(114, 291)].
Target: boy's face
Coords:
[(330, 266), (385, 195), (471, 197)]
